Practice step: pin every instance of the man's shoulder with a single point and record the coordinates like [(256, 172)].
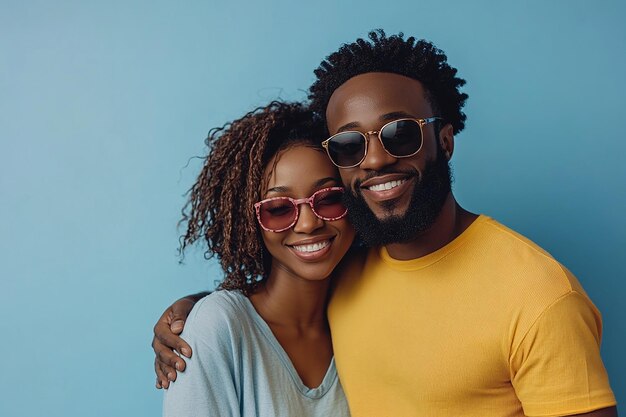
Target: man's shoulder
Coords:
[(515, 240), (523, 257)]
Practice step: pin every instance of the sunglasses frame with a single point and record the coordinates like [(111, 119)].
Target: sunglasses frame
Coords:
[(296, 203), (366, 135)]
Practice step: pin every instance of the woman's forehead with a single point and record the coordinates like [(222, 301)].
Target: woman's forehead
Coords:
[(298, 166)]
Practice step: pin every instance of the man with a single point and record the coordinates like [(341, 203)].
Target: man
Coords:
[(449, 313)]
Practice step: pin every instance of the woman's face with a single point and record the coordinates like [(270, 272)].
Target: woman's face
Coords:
[(312, 247)]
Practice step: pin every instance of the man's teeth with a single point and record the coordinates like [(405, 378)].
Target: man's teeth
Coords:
[(312, 247), (386, 186)]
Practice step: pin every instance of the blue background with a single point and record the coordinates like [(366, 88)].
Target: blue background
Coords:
[(101, 105)]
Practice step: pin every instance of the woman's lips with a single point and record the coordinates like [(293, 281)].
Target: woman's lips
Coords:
[(311, 251)]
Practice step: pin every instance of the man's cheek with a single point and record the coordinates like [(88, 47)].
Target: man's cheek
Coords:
[(349, 178)]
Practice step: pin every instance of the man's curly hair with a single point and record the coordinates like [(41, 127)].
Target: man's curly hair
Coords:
[(220, 207), (419, 60)]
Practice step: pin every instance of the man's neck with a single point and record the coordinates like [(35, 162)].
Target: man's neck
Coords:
[(449, 224)]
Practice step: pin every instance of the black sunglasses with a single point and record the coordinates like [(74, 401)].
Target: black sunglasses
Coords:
[(400, 138)]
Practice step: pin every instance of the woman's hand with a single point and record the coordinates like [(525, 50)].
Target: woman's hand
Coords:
[(166, 340)]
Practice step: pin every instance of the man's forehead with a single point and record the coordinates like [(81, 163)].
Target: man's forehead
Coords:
[(382, 118), (381, 96)]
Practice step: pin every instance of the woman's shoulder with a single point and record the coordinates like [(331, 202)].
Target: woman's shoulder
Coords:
[(219, 312)]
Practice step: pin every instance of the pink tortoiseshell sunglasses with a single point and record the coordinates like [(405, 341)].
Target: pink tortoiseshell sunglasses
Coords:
[(278, 214)]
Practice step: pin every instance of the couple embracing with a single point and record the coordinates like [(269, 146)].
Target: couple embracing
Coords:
[(337, 218)]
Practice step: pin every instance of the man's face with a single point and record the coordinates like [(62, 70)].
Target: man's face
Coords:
[(401, 196)]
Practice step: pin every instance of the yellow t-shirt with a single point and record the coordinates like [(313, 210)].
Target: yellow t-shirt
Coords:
[(489, 325)]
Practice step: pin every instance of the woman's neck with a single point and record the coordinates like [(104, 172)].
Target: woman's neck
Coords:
[(295, 310), (290, 301)]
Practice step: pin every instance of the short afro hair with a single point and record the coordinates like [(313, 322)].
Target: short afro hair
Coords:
[(419, 60)]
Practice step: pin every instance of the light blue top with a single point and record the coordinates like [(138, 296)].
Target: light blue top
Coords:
[(238, 368)]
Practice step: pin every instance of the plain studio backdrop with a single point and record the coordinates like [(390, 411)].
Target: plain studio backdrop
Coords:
[(103, 103)]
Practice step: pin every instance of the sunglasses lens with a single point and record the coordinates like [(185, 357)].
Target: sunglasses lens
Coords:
[(329, 204), (346, 149), (402, 138), (277, 214)]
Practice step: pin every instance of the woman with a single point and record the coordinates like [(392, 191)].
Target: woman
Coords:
[(268, 204)]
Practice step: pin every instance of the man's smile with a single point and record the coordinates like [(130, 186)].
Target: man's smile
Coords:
[(386, 187)]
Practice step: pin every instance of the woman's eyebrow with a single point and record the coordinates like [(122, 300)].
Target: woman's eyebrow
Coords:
[(279, 189), (318, 183)]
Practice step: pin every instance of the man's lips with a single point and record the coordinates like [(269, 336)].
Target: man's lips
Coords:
[(386, 187)]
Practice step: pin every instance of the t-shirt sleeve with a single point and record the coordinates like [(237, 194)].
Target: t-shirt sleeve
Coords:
[(208, 386), (557, 370)]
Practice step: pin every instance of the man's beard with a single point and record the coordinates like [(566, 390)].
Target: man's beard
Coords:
[(429, 194)]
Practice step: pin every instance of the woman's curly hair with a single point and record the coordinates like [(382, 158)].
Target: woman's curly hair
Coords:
[(419, 60), (220, 207)]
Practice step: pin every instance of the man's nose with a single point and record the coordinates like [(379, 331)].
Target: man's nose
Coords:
[(376, 158)]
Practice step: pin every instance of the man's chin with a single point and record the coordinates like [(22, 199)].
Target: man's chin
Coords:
[(400, 220), (384, 214), (383, 210)]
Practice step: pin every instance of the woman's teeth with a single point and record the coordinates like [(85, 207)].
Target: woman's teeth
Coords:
[(387, 185), (314, 247)]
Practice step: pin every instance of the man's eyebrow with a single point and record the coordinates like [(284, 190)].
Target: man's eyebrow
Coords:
[(387, 117), (323, 181), (395, 115), (348, 126)]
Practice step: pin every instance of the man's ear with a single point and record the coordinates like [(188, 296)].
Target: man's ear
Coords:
[(446, 139)]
